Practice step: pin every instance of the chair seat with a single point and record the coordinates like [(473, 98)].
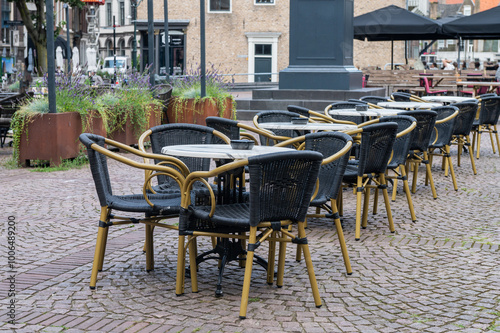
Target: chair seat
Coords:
[(351, 173), (165, 204), (230, 215)]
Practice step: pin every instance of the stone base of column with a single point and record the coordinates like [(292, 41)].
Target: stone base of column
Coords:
[(321, 77)]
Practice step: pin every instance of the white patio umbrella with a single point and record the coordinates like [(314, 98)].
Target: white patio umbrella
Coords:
[(59, 57), (91, 59), (76, 59)]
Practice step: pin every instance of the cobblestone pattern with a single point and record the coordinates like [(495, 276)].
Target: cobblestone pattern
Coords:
[(440, 274)]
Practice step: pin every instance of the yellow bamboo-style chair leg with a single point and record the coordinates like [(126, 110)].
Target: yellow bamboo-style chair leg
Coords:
[(271, 259), (252, 240), (104, 237), (478, 143), (383, 183), (144, 247), (309, 265), (148, 243), (429, 174), (460, 149), (452, 172), (406, 189), (192, 263), (181, 261), (430, 159), (414, 180), (281, 261), (99, 253), (498, 140), (103, 253), (375, 202), (366, 203), (395, 183), (340, 233), (471, 154), (359, 193)]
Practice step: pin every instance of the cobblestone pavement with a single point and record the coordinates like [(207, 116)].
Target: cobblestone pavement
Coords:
[(440, 274)]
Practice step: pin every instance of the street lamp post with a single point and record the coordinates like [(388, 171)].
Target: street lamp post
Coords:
[(114, 50), (134, 41)]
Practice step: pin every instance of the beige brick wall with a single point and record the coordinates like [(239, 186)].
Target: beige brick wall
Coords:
[(376, 53), (227, 44)]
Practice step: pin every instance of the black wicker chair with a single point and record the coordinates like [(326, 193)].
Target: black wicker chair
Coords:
[(281, 187), (374, 99), (401, 97), (275, 116), (397, 164), (440, 141), (375, 151), (420, 144), (180, 134), (313, 115), (156, 207), (347, 105), (335, 147), (463, 126), (487, 123)]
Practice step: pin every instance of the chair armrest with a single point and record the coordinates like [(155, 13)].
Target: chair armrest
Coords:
[(447, 118), (406, 131)]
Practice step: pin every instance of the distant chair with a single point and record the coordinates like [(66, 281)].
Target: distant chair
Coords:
[(347, 105), (463, 126), (487, 122), (275, 116), (374, 99), (428, 90)]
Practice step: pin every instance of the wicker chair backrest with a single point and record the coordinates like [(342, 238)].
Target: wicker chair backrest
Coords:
[(277, 116), (330, 175), (182, 134), (348, 105), (402, 144), (299, 109), (373, 99), (401, 97), (282, 185), (227, 127), (376, 147), (425, 126), (490, 110), (465, 118), (444, 130), (98, 167)]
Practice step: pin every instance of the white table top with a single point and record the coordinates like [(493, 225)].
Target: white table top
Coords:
[(368, 113), (408, 105), (478, 83), (447, 99), (308, 126), (219, 151)]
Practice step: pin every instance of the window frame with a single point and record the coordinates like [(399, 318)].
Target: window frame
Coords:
[(121, 11), (220, 11), (109, 14)]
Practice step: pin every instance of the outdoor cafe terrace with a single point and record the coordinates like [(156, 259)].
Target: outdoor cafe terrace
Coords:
[(438, 274)]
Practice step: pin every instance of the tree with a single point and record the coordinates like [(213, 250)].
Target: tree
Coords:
[(35, 24)]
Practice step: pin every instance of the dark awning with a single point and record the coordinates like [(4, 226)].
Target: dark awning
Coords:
[(482, 25), (395, 23)]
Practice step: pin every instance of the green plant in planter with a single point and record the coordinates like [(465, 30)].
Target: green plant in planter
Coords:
[(189, 87), (133, 101)]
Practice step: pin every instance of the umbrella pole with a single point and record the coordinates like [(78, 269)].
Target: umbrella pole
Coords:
[(459, 46), (392, 55)]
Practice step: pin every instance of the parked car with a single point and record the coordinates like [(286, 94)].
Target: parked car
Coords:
[(122, 64)]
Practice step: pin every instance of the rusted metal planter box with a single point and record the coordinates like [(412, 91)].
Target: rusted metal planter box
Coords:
[(195, 113), (53, 137)]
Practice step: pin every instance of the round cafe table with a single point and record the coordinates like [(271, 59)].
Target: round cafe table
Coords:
[(368, 113), (447, 99), (219, 151), (308, 126), (408, 105)]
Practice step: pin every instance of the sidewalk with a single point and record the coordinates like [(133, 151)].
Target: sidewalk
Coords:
[(440, 274)]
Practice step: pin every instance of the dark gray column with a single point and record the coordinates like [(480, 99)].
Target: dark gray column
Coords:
[(321, 43)]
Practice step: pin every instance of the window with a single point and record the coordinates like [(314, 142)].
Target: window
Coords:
[(109, 15), (122, 13), (121, 46), (262, 56), (264, 2), (219, 6)]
